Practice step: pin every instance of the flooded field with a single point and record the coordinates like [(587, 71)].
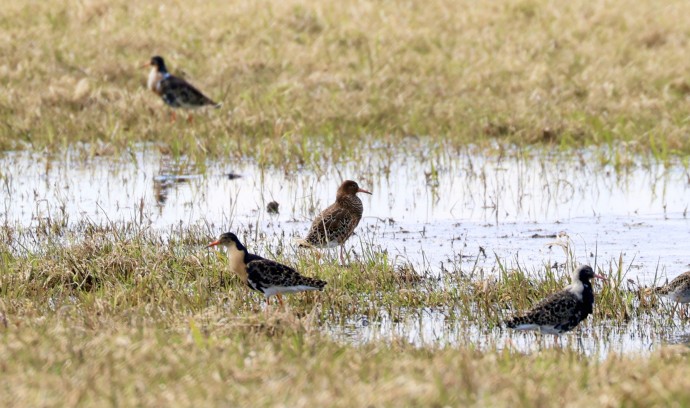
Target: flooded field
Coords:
[(429, 327), (436, 213), (428, 211)]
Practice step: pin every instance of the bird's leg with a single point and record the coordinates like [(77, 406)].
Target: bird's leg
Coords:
[(509, 344), (173, 116), (342, 255), (190, 119), (280, 300)]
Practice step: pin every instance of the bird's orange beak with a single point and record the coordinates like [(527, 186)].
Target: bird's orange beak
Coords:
[(146, 65), (214, 243), (600, 277), (361, 190)]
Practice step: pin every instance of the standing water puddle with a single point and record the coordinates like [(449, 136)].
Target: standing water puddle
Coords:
[(426, 210)]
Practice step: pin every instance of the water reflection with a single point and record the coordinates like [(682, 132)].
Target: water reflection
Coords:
[(170, 174), (437, 328), (429, 209), (429, 213)]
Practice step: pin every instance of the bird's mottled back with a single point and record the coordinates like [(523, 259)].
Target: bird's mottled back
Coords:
[(677, 290), (561, 311)]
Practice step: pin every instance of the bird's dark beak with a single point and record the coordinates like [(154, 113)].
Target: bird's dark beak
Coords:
[(361, 190), (214, 243)]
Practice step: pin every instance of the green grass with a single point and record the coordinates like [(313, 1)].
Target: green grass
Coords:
[(121, 315), (304, 80)]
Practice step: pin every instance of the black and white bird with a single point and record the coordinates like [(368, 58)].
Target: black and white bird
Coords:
[(175, 91), (561, 311), (261, 274)]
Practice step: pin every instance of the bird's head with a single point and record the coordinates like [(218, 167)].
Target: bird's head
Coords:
[(227, 240), (350, 187), (584, 273), (158, 63)]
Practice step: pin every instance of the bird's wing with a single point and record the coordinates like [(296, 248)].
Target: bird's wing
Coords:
[(558, 307), (680, 282), (333, 220), (265, 273), (178, 90)]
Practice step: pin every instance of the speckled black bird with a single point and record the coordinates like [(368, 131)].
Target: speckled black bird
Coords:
[(261, 274), (678, 290), (334, 225), (561, 311), (175, 92)]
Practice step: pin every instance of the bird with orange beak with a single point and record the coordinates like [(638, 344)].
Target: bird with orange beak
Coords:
[(175, 91), (264, 275)]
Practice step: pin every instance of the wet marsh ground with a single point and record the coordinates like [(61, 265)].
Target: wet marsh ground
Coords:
[(504, 142), (117, 245)]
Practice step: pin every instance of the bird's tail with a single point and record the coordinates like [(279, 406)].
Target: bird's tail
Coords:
[(303, 243), (515, 322), (315, 283), (209, 101)]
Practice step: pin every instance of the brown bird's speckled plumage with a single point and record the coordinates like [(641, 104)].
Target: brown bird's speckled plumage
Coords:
[(264, 275), (334, 225), (561, 311), (175, 92), (678, 290)]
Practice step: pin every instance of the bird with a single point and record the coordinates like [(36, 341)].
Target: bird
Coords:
[(334, 225), (175, 91), (264, 275), (561, 311), (273, 207), (678, 290)]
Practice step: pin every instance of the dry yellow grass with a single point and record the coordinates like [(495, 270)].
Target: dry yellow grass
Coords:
[(73, 359), (291, 73)]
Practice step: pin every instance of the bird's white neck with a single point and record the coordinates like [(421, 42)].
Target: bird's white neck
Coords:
[(154, 79), (576, 288)]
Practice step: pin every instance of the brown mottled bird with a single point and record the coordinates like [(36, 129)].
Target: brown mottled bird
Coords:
[(334, 225), (678, 290), (175, 92), (561, 311), (261, 274)]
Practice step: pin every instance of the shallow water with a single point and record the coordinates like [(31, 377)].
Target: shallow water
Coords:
[(433, 211), (474, 210), (429, 327)]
